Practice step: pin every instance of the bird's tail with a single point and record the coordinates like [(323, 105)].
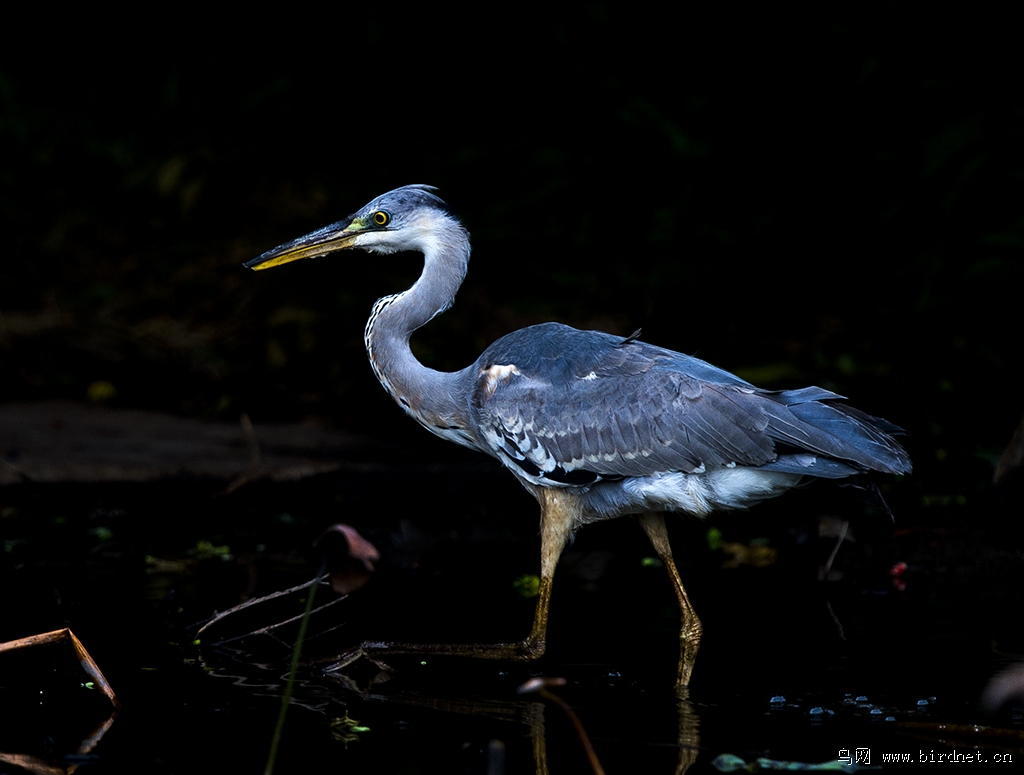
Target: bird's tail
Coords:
[(837, 430)]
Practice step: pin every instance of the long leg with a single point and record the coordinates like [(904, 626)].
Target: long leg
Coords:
[(558, 510), (690, 629)]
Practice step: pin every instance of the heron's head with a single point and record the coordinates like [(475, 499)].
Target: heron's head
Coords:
[(408, 218)]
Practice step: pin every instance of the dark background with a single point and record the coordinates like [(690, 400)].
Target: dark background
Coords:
[(837, 203), (799, 200)]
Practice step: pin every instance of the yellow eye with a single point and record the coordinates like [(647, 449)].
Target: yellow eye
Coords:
[(381, 218)]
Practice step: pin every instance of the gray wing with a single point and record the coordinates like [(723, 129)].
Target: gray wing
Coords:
[(570, 407)]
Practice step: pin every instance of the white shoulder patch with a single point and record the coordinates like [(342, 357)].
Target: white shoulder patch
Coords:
[(496, 375)]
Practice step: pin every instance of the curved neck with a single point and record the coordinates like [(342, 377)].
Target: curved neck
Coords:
[(430, 396)]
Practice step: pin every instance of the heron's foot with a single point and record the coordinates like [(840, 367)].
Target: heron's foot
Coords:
[(529, 649), (362, 651), (524, 651)]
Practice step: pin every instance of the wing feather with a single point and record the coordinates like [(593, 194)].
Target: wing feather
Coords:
[(581, 405)]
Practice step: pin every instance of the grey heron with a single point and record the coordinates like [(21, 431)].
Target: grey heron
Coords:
[(595, 426)]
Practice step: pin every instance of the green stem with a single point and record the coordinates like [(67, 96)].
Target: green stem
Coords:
[(296, 653)]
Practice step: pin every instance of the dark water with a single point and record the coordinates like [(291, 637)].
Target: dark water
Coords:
[(791, 667)]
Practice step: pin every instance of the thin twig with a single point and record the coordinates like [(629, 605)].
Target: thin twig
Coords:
[(256, 601), (835, 550), (540, 686), (271, 627)]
